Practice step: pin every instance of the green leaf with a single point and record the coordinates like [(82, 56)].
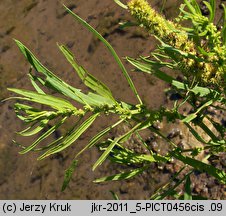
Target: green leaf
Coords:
[(208, 131), (163, 192), (171, 191), (54, 102), (200, 91), (121, 4), (114, 195), (37, 88), (202, 167), (19, 108), (192, 116), (189, 118), (54, 142), (103, 157), (113, 143), (68, 174), (159, 63), (193, 7), (176, 54), (71, 138), (190, 6), (219, 126), (211, 7), (187, 192), (88, 79), (195, 133), (196, 6), (122, 176), (42, 124), (149, 68), (100, 100), (43, 136), (122, 155), (56, 83), (123, 138), (110, 48), (98, 136)]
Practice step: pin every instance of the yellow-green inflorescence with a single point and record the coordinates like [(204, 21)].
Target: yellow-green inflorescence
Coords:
[(211, 70), (156, 24)]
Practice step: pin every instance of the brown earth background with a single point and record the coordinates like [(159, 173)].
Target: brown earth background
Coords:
[(40, 25)]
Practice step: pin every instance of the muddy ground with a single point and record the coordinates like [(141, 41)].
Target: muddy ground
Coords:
[(40, 25)]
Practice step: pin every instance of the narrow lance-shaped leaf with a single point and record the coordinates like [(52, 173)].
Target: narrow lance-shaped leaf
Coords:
[(37, 88), (191, 7), (196, 164), (187, 192), (110, 48), (218, 126), (196, 6), (43, 136), (195, 133), (114, 195), (171, 191), (71, 138), (211, 7), (122, 176), (37, 129), (159, 63), (54, 102), (126, 156), (174, 52), (208, 131), (19, 108), (121, 4), (26, 129), (201, 91), (194, 115), (55, 82), (68, 174), (114, 142), (50, 145), (98, 136), (164, 187), (151, 69), (88, 79)]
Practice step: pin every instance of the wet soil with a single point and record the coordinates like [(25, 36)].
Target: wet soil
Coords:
[(40, 25)]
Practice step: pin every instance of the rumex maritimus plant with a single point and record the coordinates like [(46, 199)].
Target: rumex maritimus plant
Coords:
[(198, 52)]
